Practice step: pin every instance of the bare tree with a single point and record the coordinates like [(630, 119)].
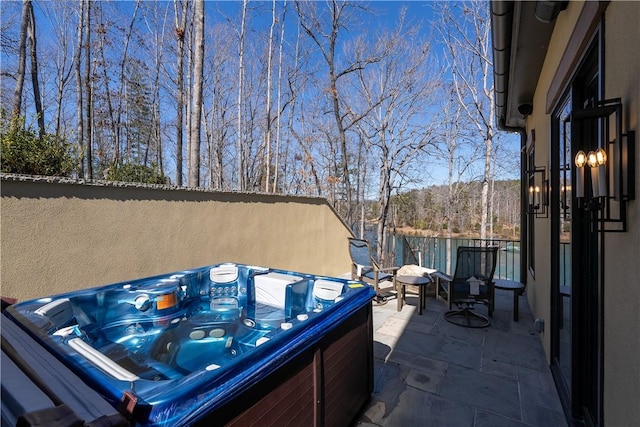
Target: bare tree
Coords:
[(465, 28), (63, 57), (279, 98), (88, 172), (33, 54), (325, 36), (158, 35), (108, 119), (267, 122), (326, 122), (219, 103), (122, 82), (28, 37), (181, 28), (455, 141), (304, 164), (241, 169), (396, 92), (22, 58), (196, 105), (79, 93)]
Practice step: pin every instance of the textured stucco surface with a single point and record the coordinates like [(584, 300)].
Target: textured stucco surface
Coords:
[(62, 235), (622, 269), (621, 386)]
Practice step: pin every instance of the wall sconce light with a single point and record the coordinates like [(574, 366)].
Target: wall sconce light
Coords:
[(538, 200), (610, 183), (597, 162), (580, 161)]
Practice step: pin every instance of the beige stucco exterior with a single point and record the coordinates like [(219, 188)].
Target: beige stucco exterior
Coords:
[(622, 273), (61, 236), (621, 73), (538, 284)]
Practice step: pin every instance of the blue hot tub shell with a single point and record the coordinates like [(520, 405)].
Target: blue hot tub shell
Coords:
[(195, 345)]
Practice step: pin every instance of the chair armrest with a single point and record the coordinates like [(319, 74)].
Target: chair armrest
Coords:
[(442, 276), (358, 270), (392, 269)]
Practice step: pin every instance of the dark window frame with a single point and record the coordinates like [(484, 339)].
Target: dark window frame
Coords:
[(531, 165)]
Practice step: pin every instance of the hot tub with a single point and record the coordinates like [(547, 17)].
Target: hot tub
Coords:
[(226, 343)]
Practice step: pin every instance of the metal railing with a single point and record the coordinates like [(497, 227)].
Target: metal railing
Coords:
[(432, 252)]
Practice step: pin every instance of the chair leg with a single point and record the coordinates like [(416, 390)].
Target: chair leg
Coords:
[(380, 300)]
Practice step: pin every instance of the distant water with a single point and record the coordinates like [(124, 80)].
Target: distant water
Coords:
[(431, 252)]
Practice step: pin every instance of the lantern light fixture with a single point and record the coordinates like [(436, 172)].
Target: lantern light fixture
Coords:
[(538, 193), (609, 185)]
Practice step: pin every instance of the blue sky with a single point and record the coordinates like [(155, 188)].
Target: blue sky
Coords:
[(382, 14)]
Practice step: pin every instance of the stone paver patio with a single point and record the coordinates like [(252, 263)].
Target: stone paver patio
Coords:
[(429, 372)]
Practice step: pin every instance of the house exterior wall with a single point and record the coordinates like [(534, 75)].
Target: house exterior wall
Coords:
[(59, 236), (622, 269), (539, 284), (621, 73)]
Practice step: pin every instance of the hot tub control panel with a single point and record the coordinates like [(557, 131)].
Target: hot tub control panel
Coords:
[(225, 289), (220, 291)]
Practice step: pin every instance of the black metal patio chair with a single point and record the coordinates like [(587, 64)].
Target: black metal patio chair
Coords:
[(472, 282)]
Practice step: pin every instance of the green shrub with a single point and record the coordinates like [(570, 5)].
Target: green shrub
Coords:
[(25, 152), (129, 172)]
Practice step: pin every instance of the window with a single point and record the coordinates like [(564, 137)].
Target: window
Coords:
[(531, 166)]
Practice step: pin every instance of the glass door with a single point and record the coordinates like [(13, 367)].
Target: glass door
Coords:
[(561, 214), (576, 249)]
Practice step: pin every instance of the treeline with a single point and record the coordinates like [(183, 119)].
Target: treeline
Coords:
[(294, 97), (429, 210)]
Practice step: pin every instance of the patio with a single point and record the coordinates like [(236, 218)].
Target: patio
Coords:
[(429, 372)]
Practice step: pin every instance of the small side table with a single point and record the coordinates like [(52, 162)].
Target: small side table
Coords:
[(421, 282), (511, 285)]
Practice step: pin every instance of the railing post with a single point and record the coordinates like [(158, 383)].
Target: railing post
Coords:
[(439, 253)]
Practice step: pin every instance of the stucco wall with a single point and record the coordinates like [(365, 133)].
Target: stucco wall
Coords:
[(622, 269), (61, 236), (539, 286)]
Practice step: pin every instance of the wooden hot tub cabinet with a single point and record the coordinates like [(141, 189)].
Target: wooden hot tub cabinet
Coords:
[(326, 385)]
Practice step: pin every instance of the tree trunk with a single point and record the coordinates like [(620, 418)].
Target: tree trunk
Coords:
[(88, 173), (240, 142), (467, 39), (196, 105), (383, 202), (22, 58), (34, 70), (276, 162), (113, 123), (157, 123), (181, 28), (79, 94), (63, 74), (117, 126), (267, 125), (485, 190)]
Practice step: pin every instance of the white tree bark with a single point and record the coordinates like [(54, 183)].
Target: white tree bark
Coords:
[(241, 172), (181, 28), (22, 58), (196, 104), (467, 40)]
